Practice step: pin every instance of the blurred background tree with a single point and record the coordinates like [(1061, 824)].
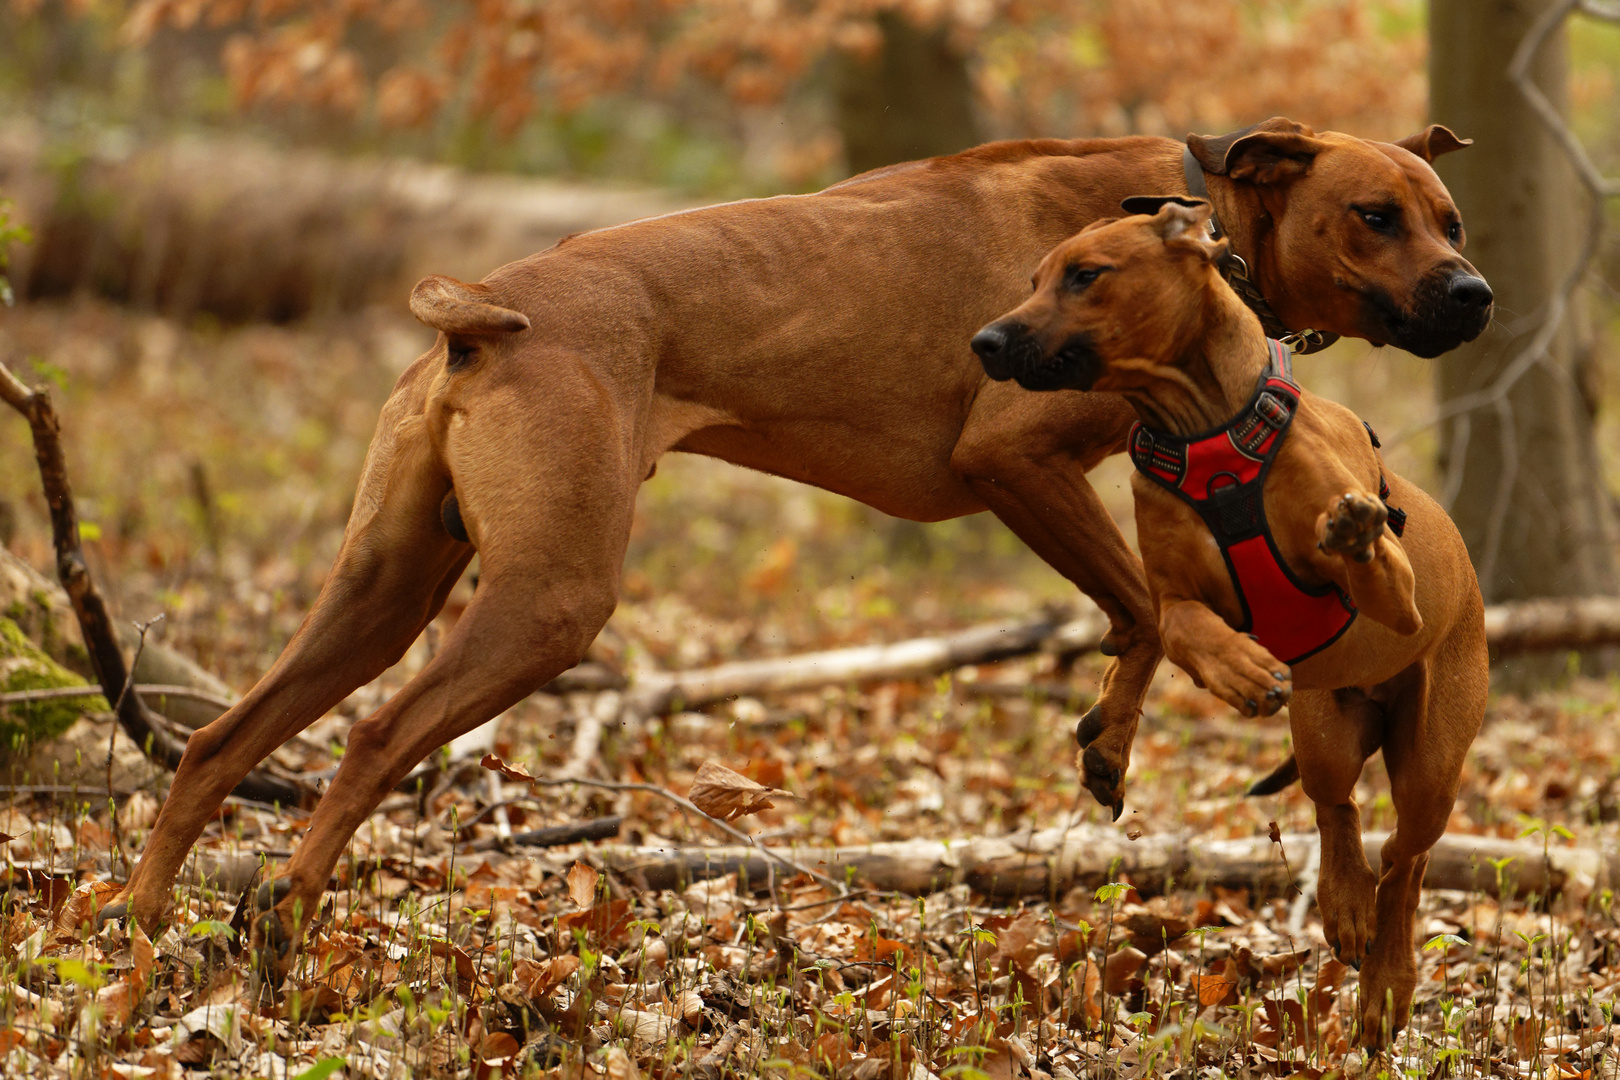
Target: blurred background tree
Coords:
[(1524, 476), (229, 164), (715, 95)]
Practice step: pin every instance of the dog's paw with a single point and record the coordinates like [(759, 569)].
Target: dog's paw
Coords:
[(1351, 526), (1244, 674), (1348, 900)]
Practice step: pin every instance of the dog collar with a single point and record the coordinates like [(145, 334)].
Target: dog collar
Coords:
[(1221, 474), (1236, 271)]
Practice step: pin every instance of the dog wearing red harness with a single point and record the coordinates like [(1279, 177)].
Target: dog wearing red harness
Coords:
[(1287, 565)]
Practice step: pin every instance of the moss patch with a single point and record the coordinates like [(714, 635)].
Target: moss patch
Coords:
[(24, 666)]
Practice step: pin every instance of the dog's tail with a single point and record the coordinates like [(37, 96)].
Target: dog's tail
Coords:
[(1277, 778)]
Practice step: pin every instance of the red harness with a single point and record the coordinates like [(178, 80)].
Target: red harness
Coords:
[(1222, 475)]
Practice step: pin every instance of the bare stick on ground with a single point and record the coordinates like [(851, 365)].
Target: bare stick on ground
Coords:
[(142, 725), (665, 692)]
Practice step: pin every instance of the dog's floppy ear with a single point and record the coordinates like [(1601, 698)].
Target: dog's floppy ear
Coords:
[(1183, 224), (456, 307), (1432, 141), (1269, 153), (1150, 204)]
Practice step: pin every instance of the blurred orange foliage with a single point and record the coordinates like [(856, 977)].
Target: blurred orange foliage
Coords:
[(1066, 67)]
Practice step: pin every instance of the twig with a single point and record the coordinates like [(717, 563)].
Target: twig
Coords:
[(691, 807), (112, 735), (146, 690)]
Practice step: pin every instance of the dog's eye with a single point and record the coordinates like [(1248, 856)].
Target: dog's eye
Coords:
[(1379, 220), (1078, 277), (1454, 232)]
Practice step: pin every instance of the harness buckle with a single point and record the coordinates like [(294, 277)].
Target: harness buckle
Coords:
[(1270, 408)]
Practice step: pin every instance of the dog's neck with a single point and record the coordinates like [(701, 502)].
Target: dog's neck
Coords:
[(1246, 224), (1211, 379)]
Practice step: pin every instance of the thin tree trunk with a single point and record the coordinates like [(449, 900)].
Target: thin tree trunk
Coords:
[(1529, 499), (914, 99)]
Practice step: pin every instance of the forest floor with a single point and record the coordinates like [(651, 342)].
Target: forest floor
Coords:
[(215, 466)]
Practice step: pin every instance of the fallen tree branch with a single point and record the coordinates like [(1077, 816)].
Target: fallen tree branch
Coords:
[(1525, 626), (100, 638), (662, 692), (1049, 862), (149, 690), (1564, 623), (603, 828)]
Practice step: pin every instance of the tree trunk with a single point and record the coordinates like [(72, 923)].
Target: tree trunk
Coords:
[(914, 99), (1529, 493)]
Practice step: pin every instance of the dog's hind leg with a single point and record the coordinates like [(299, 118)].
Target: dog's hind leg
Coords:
[(1431, 726), (547, 491), (1335, 732), (1026, 455), (391, 577)]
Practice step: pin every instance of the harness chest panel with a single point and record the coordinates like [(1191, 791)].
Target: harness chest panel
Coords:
[(1222, 474)]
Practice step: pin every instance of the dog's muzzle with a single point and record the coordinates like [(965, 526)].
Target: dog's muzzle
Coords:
[(1447, 310), (1009, 351)]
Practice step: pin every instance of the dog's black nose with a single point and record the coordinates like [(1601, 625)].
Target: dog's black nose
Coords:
[(990, 341), (1470, 291)]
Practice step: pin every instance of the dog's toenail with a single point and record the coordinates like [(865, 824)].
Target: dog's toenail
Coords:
[(1119, 808), (111, 913), (1280, 676)]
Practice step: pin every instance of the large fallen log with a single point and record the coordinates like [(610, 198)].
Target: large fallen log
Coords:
[(1561, 623), (1051, 861), (247, 232)]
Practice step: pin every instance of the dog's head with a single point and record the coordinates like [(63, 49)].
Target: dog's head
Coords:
[(1123, 290), (1354, 237)]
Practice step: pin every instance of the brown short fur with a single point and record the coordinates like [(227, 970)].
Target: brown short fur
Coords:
[(822, 338), (1159, 326)]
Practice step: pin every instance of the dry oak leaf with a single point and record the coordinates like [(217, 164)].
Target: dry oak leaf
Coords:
[(582, 881), (726, 794)]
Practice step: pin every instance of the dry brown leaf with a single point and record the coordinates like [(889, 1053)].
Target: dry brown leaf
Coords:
[(619, 1066), (540, 979), (582, 881), (728, 795), (81, 907), (1120, 968), (511, 772)]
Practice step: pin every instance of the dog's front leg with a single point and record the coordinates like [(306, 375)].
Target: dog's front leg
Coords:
[(1026, 455), (1234, 667), (1379, 576)]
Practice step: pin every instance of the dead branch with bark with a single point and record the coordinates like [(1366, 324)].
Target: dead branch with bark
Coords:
[(145, 728)]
